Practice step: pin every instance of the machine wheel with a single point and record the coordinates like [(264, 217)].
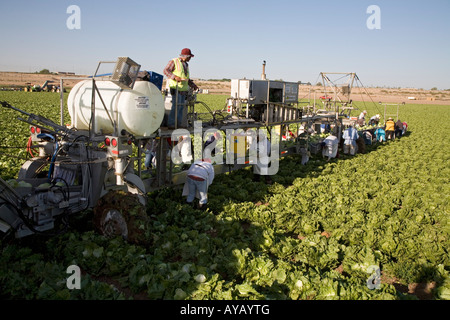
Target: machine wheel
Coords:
[(33, 168), (121, 213)]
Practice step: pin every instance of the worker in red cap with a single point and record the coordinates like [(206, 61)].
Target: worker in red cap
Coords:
[(177, 72)]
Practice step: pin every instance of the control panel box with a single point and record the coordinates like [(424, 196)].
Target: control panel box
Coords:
[(264, 91)]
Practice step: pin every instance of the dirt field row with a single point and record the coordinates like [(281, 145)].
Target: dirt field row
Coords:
[(384, 95)]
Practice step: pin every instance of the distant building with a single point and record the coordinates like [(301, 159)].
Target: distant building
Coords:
[(65, 73)]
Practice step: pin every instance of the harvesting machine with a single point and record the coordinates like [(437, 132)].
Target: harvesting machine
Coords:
[(96, 162)]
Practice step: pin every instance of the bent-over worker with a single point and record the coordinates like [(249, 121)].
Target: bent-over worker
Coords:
[(350, 136), (199, 177), (374, 120), (390, 129), (398, 128), (362, 118), (330, 147), (380, 135), (405, 127)]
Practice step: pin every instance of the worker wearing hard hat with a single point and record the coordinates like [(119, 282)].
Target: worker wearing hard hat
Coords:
[(177, 72), (390, 129)]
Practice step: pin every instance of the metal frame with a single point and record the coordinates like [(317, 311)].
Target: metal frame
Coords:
[(164, 175), (276, 114), (337, 99), (388, 114)]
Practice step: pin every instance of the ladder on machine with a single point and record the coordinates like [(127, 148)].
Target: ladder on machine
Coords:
[(386, 115)]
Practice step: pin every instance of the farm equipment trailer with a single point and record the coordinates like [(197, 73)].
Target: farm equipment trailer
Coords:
[(96, 161)]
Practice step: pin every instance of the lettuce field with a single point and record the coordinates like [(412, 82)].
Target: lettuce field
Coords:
[(374, 226)]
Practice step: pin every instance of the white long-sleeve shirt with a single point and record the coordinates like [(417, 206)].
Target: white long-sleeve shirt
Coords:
[(362, 115), (350, 136), (202, 169), (331, 143)]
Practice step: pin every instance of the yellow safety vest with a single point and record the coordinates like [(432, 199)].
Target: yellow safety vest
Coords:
[(390, 125), (179, 72)]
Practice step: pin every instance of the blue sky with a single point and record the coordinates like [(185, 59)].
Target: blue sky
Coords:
[(230, 39)]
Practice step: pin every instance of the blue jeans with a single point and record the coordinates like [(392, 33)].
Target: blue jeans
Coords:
[(148, 158), (171, 119), (194, 186)]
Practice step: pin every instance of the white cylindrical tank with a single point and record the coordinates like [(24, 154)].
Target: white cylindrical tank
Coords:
[(139, 111)]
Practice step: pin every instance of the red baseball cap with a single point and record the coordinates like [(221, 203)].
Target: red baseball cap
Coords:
[(186, 52)]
